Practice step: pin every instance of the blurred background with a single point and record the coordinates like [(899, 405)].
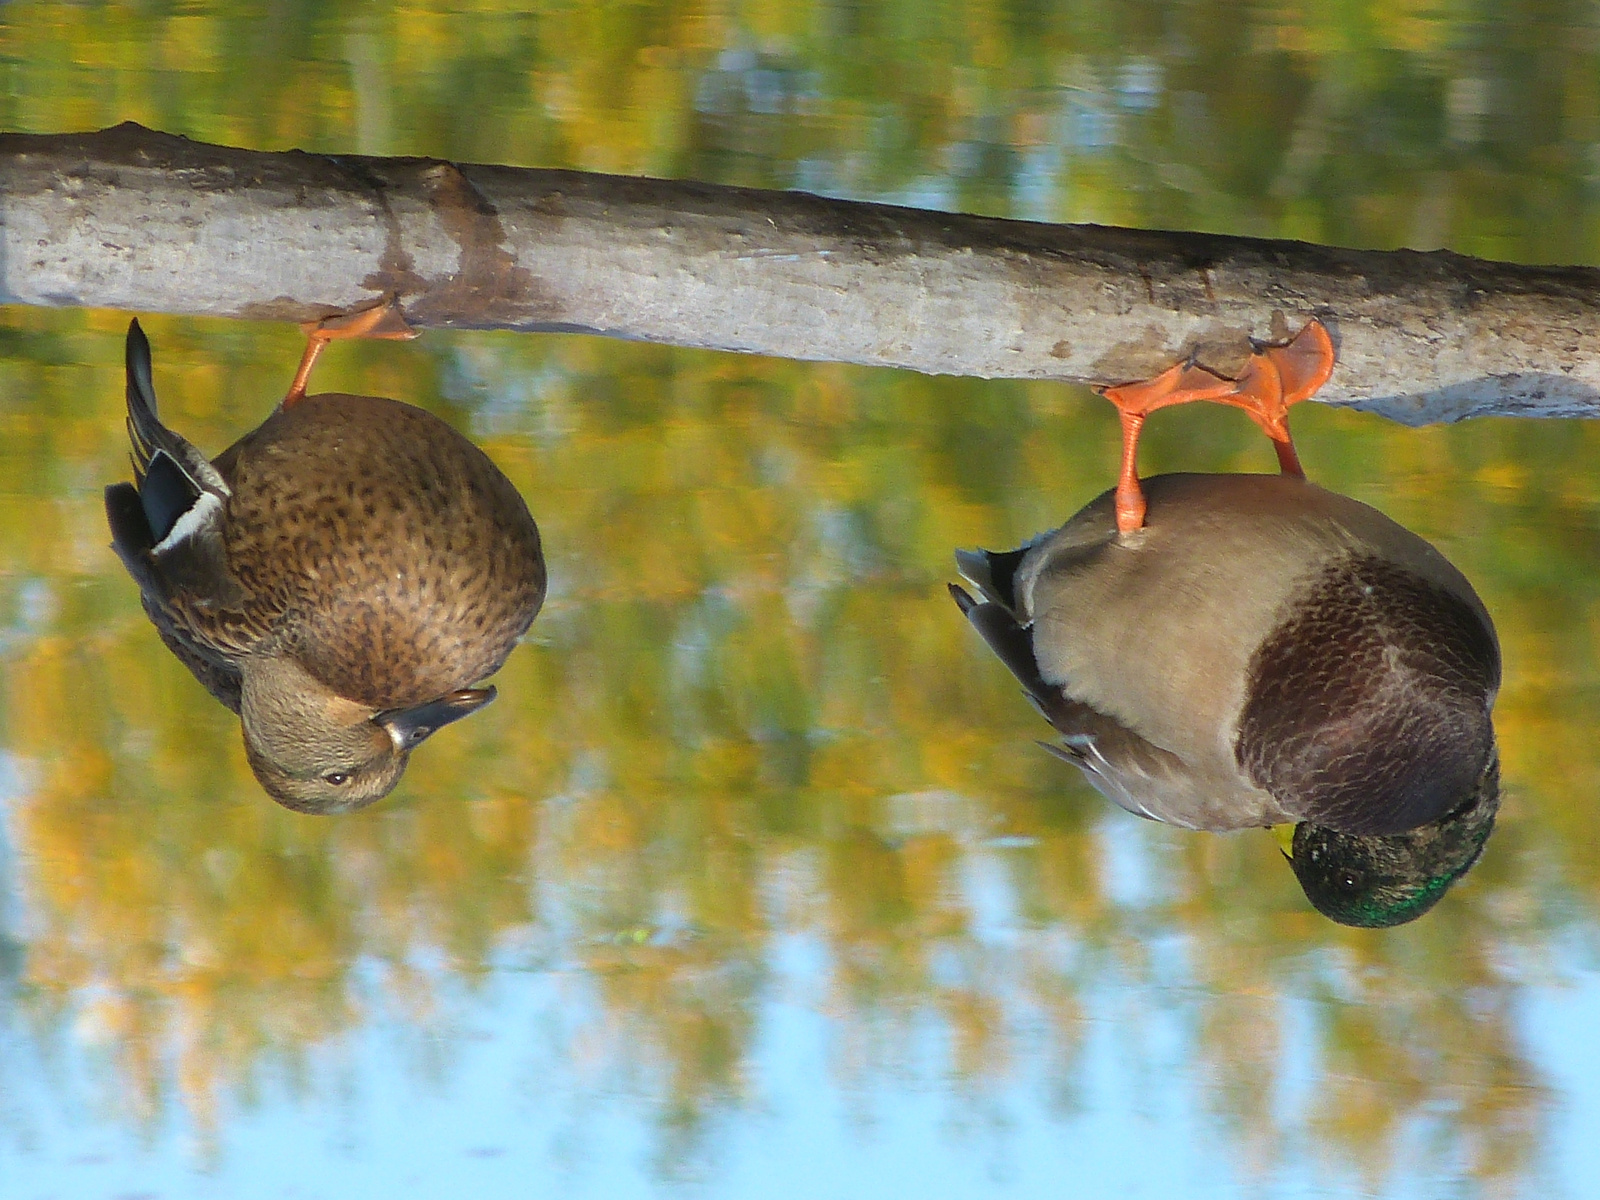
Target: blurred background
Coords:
[(752, 882)]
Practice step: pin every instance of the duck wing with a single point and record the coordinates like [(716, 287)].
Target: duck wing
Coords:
[(186, 472), (215, 673), (1126, 768), (166, 527)]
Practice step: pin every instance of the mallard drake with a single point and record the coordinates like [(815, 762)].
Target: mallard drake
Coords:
[(340, 577), (1264, 652)]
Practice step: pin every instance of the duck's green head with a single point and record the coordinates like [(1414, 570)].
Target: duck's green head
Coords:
[(1376, 881)]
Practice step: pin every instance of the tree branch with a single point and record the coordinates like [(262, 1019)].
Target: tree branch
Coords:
[(134, 219)]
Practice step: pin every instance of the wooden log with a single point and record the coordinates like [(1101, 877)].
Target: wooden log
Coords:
[(134, 219)]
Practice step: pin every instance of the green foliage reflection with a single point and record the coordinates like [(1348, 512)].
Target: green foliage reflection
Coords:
[(748, 710), (1417, 122)]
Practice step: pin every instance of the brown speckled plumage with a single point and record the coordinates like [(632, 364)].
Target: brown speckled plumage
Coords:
[(385, 548), (376, 559)]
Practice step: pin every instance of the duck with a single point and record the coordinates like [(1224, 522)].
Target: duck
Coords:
[(1265, 653), (343, 577)]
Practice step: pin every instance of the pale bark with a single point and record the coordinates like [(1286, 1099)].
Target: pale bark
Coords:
[(132, 219)]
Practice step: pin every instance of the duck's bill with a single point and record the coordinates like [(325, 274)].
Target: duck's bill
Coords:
[(410, 727)]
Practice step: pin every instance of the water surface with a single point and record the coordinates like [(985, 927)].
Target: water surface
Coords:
[(752, 882)]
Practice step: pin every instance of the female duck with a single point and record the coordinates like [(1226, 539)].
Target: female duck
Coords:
[(339, 577)]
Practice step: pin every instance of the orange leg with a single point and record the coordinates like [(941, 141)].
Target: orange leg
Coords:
[(1178, 384), (382, 321), (1273, 379), (1130, 496)]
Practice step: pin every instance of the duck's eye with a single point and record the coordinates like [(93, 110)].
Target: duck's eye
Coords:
[(337, 778)]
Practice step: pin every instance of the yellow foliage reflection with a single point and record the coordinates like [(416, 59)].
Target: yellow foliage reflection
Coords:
[(748, 713)]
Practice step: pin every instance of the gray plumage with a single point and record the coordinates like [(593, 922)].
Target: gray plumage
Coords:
[(1263, 652)]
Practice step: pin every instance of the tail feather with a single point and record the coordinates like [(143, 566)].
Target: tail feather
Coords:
[(141, 399), (992, 572), (166, 528), (148, 436), (1120, 763), (1012, 643)]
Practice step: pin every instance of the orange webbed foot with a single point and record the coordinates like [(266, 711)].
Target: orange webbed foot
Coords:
[(1280, 376), (1272, 380), (1178, 384), (381, 321), (1306, 363)]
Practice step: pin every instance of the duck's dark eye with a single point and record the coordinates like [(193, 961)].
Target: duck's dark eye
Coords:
[(337, 778)]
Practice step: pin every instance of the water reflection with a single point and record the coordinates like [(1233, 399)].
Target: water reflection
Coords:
[(1422, 125), (1264, 653), (751, 763), (752, 872), (338, 577)]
